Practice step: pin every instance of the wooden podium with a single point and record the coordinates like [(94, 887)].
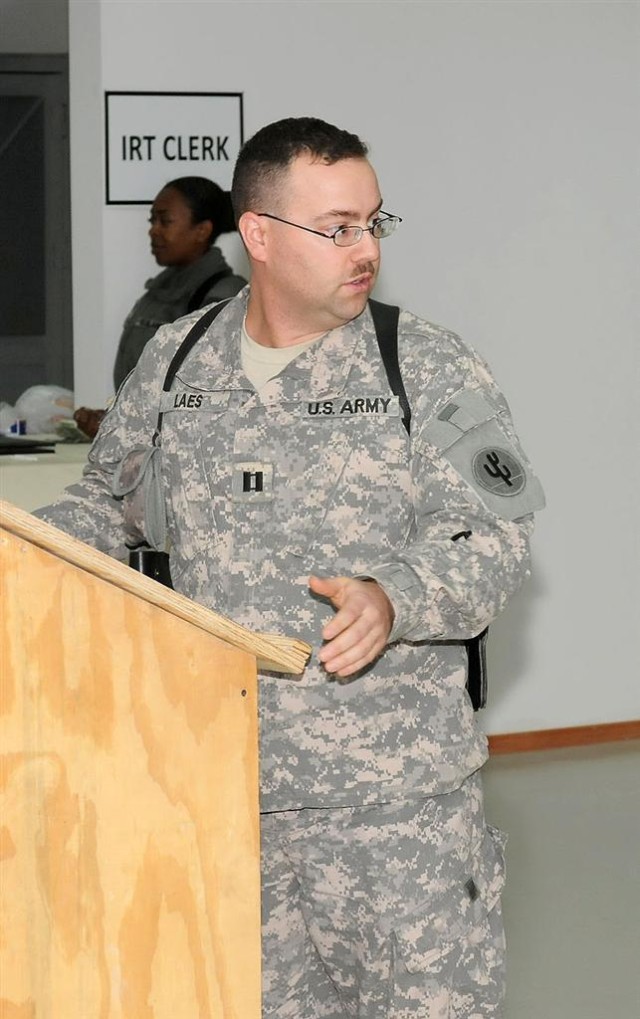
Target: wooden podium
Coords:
[(129, 836)]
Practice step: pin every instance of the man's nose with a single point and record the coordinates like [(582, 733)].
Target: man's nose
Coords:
[(367, 248)]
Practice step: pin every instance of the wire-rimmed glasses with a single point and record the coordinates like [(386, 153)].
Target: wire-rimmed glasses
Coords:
[(345, 236)]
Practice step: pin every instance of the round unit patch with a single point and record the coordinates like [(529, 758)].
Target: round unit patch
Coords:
[(498, 471)]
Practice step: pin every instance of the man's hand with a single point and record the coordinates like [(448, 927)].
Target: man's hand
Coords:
[(359, 631)]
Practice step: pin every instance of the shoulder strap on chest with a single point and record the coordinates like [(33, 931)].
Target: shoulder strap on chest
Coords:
[(201, 292), (197, 330), (385, 319)]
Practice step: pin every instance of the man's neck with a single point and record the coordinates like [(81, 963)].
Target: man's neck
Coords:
[(271, 326)]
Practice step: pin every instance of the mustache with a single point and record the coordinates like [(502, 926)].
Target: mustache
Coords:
[(363, 269)]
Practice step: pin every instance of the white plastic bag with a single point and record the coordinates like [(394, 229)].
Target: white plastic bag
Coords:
[(7, 416), (43, 407)]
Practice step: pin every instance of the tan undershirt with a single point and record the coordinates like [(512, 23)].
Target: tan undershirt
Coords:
[(260, 363)]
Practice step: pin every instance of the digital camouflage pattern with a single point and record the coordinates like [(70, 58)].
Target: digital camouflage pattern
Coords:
[(316, 474), (380, 880), (387, 911)]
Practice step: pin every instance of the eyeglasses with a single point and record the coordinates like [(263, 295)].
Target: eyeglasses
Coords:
[(345, 236)]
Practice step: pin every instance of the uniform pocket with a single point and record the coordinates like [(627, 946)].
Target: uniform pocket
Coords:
[(196, 474), (458, 935), (355, 484), (137, 481)]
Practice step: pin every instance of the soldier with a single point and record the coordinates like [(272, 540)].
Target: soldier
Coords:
[(186, 219), (293, 499)]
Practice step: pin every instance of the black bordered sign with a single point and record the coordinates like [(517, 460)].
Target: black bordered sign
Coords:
[(153, 137)]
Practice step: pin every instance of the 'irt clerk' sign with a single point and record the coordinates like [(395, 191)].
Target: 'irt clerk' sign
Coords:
[(153, 137)]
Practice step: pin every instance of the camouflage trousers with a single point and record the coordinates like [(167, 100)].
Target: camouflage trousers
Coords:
[(389, 911)]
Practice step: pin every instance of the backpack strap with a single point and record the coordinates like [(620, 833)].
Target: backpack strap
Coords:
[(477, 670), (197, 330), (385, 319), (153, 562), (201, 292)]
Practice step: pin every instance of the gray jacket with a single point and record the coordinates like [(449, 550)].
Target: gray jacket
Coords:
[(316, 474), (168, 296)]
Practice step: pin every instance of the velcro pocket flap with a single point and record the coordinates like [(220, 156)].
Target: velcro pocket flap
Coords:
[(138, 481), (131, 470), (469, 434)]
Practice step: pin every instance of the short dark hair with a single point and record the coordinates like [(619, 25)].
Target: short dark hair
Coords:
[(264, 158), (207, 200)]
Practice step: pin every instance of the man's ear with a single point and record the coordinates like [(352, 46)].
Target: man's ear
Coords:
[(252, 229)]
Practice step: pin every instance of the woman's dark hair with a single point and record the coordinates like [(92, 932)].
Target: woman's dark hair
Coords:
[(207, 201), (264, 159)]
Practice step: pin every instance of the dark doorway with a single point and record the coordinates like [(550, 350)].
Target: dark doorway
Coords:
[(36, 342)]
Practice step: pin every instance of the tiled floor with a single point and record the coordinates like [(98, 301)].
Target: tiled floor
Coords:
[(572, 903)]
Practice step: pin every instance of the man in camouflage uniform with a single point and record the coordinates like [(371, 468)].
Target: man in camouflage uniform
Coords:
[(294, 500)]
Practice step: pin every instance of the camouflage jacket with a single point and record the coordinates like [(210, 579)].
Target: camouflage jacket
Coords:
[(316, 474)]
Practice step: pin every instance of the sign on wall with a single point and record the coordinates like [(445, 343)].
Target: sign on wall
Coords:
[(154, 137)]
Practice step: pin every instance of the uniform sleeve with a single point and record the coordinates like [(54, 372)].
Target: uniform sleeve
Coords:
[(89, 510), (474, 494)]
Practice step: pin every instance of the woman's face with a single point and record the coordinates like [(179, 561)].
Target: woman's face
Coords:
[(175, 238)]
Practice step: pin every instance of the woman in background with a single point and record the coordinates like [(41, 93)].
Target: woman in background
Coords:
[(187, 217)]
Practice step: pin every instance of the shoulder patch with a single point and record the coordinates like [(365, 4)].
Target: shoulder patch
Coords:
[(470, 435), (499, 471)]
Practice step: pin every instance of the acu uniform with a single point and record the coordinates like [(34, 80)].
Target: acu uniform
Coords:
[(380, 877)]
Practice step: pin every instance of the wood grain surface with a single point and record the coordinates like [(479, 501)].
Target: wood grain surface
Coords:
[(275, 652), (129, 841)]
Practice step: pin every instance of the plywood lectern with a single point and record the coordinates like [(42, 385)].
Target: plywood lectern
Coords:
[(129, 839)]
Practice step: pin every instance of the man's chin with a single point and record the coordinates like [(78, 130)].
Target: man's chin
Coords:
[(346, 311), (356, 300)]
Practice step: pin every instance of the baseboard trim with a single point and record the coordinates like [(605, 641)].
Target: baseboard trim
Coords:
[(553, 739)]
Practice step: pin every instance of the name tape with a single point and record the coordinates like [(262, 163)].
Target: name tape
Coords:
[(368, 405)]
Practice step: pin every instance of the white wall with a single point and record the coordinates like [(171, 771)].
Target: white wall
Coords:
[(506, 135)]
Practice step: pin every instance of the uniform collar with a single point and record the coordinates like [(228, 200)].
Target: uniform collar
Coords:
[(175, 279), (321, 369)]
